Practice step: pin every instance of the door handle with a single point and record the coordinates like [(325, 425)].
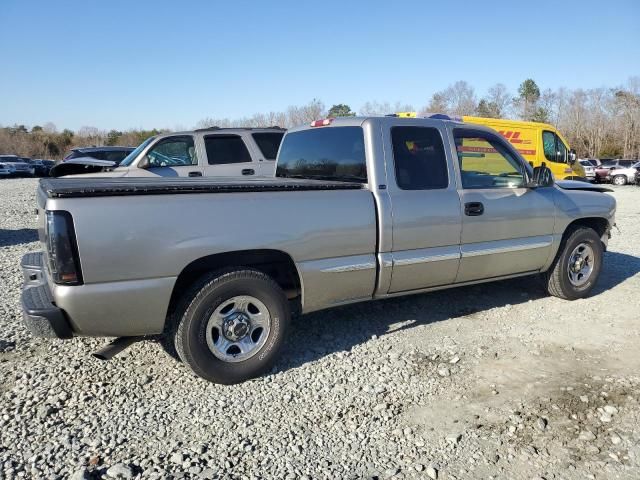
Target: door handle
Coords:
[(473, 209), (248, 171), (195, 174)]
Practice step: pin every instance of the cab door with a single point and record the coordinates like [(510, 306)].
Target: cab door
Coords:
[(425, 208), (556, 156), (227, 155), (173, 156), (507, 228)]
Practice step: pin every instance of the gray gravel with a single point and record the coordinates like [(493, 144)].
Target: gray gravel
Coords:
[(492, 381)]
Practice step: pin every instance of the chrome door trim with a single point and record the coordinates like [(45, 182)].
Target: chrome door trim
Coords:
[(506, 246), (411, 257), (350, 268)]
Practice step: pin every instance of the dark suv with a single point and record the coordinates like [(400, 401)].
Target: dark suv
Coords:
[(112, 154)]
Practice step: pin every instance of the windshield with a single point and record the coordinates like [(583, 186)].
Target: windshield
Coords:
[(324, 154), (128, 160), (11, 160)]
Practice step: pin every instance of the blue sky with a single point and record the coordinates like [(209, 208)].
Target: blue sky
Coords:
[(129, 64)]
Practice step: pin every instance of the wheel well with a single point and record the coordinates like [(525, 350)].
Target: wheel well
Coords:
[(278, 265), (599, 224)]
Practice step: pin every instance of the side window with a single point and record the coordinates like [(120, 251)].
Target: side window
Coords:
[(173, 152), (554, 148), (225, 149), (116, 156), (419, 158), (268, 143), (486, 162), (97, 155), (627, 163)]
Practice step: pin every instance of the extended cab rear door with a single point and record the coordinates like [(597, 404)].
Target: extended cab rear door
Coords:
[(425, 206)]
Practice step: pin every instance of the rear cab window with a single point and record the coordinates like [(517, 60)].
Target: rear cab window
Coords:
[(330, 153), (268, 143)]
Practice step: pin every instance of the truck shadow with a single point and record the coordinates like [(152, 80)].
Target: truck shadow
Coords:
[(9, 238), (319, 334)]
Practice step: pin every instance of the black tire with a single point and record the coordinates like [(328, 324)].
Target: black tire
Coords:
[(556, 278), (200, 302)]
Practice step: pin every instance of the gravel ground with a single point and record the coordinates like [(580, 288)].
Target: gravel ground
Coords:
[(493, 381)]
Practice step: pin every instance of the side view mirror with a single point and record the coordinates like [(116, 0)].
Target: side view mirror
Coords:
[(542, 177), (572, 156), (144, 163)]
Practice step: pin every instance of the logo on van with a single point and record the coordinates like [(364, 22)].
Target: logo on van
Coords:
[(513, 137)]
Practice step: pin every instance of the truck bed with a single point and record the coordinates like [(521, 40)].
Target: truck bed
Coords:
[(111, 187)]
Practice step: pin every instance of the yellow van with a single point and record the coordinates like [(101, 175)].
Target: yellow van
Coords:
[(536, 142)]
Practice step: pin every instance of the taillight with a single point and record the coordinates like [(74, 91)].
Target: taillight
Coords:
[(62, 250)]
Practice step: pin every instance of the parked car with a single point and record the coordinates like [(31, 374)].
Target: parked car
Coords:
[(359, 209), (594, 161), (621, 175), (6, 168), (18, 166), (589, 170), (42, 167), (603, 172), (209, 152)]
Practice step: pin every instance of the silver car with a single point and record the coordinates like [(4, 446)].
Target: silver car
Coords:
[(622, 174), (589, 170), (17, 165)]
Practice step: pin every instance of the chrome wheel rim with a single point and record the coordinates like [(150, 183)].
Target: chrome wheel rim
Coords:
[(238, 328), (580, 265), (618, 180)]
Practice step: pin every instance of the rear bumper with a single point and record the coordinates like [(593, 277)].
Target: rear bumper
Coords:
[(41, 316)]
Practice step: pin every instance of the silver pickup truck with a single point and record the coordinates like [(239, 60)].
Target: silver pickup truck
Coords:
[(360, 209)]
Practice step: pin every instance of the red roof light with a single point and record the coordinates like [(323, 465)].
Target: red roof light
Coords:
[(322, 123)]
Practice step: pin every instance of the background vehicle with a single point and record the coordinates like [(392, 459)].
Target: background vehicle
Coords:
[(537, 143), (360, 209), (17, 165), (621, 175), (42, 167), (111, 154), (6, 169), (210, 152), (603, 172), (589, 169)]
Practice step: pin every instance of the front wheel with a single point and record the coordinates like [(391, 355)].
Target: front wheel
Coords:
[(619, 180), (577, 265), (231, 325)]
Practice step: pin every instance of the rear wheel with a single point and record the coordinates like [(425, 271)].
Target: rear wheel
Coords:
[(231, 325), (577, 265), (619, 180)]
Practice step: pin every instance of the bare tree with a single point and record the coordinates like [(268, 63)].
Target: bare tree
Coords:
[(457, 99)]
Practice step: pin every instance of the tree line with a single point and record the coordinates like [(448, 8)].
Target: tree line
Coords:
[(598, 123)]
